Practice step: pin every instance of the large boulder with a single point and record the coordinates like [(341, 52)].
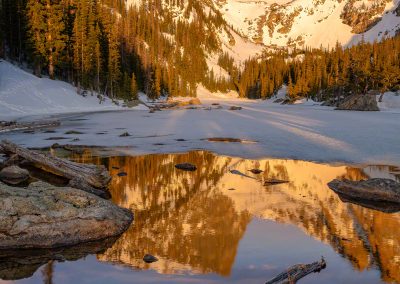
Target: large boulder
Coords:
[(374, 190), (14, 175), (45, 216), (365, 102)]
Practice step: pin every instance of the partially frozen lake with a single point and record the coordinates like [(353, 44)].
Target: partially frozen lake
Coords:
[(213, 226)]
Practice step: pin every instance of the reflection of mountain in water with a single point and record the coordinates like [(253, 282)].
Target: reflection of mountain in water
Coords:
[(193, 222)]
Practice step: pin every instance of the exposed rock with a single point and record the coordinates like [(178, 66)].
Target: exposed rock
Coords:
[(278, 101), (377, 190), (122, 174), (186, 167), (148, 258), (19, 264), (125, 134), (360, 103), (45, 216), (235, 108), (14, 175)]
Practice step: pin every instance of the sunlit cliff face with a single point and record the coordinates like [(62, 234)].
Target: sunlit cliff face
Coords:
[(194, 221)]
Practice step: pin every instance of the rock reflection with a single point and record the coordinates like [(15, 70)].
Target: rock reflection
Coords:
[(194, 223)]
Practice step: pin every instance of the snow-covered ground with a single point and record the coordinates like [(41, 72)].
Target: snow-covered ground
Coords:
[(23, 94), (305, 130)]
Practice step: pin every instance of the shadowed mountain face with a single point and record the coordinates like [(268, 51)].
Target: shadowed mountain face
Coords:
[(194, 221)]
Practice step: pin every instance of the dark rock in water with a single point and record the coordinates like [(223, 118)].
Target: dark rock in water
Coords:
[(180, 140), (215, 104), (186, 167), (75, 140), (49, 131), (125, 134), (231, 189), (45, 216), (387, 207), (115, 168), (360, 103), (56, 138), (148, 258), (376, 190), (73, 132), (256, 171), (19, 264), (235, 108), (122, 174), (273, 181), (14, 175)]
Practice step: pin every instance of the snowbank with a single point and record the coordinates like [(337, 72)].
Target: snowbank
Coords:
[(23, 94), (390, 102)]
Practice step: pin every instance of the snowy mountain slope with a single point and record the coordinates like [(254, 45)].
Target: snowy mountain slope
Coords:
[(22, 94), (312, 22), (296, 22)]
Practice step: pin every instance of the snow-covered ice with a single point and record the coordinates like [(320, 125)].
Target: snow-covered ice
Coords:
[(307, 132)]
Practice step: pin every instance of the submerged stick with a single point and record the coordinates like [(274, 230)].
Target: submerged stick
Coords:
[(296, 272)]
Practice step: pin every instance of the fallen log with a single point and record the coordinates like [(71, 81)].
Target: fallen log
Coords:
[(6, 126), (296, 272), (96, 176), (82, 185)]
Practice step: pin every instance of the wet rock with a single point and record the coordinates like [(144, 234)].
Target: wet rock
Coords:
[(122, 174), (115, 168), (273, 181), (231, 189), (125, 134), (256, 171), (186, 167), (45, 216), (376, 190), (180, 140), (148, 258), (14, 175), (235, 108), (360, 103), (215, 104)]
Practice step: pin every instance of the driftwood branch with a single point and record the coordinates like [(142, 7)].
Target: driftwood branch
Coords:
[(296, 272), (96, 176), (6, 126)]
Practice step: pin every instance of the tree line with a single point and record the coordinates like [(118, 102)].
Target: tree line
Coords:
[(106, 47), (322, 73)]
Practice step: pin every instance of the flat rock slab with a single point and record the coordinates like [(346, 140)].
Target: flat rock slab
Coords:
[(45, 216), (378, 190)]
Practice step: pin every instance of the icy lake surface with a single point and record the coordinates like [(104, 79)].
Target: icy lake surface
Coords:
[(215, 226)]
